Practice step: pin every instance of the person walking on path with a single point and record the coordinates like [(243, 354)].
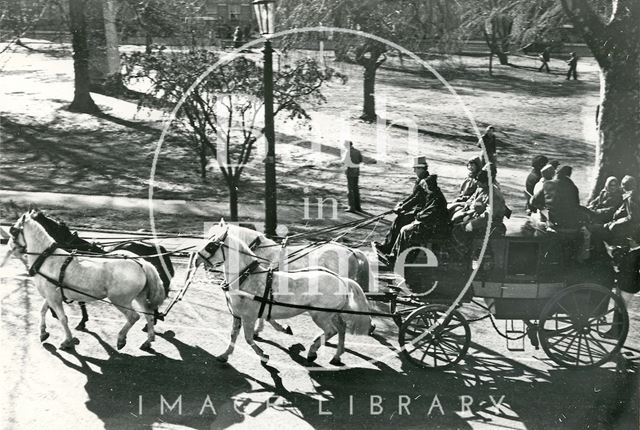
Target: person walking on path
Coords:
[(545, 57), (573, 66), (237, 37), (489, 140), (351, 159)]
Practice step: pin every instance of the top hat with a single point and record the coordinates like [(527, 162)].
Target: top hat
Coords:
[(420, 161)]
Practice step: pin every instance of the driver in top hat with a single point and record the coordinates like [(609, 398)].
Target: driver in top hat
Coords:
[(407, 208)]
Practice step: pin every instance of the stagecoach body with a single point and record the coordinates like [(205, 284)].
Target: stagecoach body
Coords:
[(564, 304)]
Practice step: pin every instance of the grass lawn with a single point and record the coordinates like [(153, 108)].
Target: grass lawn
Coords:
[(46, 148)]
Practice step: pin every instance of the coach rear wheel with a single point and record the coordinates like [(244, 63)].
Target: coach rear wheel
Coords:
[(432, 339), (583, 326)]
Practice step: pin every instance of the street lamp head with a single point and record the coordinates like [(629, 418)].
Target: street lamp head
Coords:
[(265, 11)]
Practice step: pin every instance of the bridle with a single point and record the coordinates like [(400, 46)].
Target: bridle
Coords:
[(212, 247), (15, 233)]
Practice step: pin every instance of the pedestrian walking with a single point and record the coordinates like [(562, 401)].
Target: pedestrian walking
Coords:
[(545, 57), (489, 140), (237, 37), (573, 65), (351, 159)]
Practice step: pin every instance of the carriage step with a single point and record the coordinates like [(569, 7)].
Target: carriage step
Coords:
[(515, 329)]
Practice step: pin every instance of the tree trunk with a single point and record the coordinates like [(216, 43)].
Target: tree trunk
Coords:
[(369, 88), (233, 202), (82, 101), (148, 42), (618, 150), (202, 156), (114, 79)]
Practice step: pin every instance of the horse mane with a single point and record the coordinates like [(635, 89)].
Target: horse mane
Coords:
[(40, 231), (242, 230), (61, 233)]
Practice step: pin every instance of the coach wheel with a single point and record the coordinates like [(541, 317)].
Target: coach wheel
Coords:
[(583, 326), (431, 339)]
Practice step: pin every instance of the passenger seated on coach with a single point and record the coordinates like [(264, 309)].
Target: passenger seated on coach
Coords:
[(604, 205), (625, 222), (473, 217), (470, 184), (431, 221), (560, 197)]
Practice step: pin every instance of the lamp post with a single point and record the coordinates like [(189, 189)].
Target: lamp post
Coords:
[(265, 13)]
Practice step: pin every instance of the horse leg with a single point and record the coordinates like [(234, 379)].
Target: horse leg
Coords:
[(248, 327), (148, 314), (132, 317), (235, 330), (85, 317), (259, 328), (64, 321), (279, 327), (342, 327), (323, 321), (44, 335), (275, 324)]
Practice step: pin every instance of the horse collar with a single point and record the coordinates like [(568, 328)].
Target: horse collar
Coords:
[(33, 270)]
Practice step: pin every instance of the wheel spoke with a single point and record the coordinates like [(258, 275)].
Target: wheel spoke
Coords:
[(597, 342), (445, 353), (573, 339), (579, 343), (586, 343), (452, 345)]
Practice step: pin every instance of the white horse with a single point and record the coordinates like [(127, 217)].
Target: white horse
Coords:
[(346, 262), (316, 287), (120, 280)]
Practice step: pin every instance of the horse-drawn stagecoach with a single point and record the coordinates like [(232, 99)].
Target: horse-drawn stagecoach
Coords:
[(566, 305)]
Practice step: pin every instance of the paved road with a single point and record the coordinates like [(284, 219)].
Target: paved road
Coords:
[(97, 387)]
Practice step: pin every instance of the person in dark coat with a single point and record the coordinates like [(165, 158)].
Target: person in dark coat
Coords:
[(432, 220), (489, 140), (538, 162), (352, 158), (545, 57), (470, 184), (561, 198), (406, 209), (626, 219), (573, 66), (604, 205)]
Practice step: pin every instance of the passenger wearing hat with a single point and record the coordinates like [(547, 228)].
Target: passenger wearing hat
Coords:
[(406, 209), (608, 200), (538, 162), (431, 221), (548, 173)]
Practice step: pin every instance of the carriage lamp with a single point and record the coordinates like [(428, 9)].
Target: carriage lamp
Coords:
[(265, 14)]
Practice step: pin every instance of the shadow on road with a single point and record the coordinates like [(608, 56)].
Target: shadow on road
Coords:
[(114, 389)]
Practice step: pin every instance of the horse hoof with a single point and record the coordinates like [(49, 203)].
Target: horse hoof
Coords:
[(256, 337), (264, 358), (146, 346), (336, 362), (372, 329), (222, 359), (288, 331), (312, 357), (144, 329), (44, 336), (121, 343), (81, 327)]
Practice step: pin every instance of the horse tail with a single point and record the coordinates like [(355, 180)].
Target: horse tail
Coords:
[(362, 269), (154, 285), (357, 301)]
